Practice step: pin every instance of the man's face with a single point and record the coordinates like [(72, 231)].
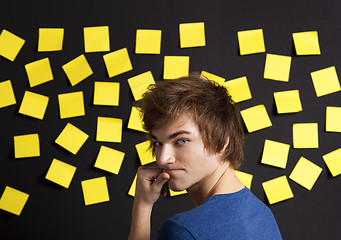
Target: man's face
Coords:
[(180, 152)]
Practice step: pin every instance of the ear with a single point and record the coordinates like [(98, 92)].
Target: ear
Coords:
[(225, 145)]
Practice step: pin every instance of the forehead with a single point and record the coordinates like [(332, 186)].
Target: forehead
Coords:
[(183, 123)]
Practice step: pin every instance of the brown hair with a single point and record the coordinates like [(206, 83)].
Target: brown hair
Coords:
[(208, 103)]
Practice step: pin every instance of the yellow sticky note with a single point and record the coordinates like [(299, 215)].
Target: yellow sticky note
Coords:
[(106, 93), (135, 120), (71, 104), (288, 101), (95, 190), (109, 129), (213, 77), (60, 173), (277, 189), (306, 43), (175, 67), (96, 39), (192, 34), (245, 178), (305, 173), (132, 188), (77, 70), (145, 153), (251, 41), (176, 193), (277, 67), (325, 81), (50, 39), (275, 153), (148, 41), (140, 83), (26, 146), (305, 135), (117, 62), (10, 45), (333, 117), (7, 96), (333, 162), (71, 138), (256, 118), (109, 159), (39, 72), (13, 200), (238, 89), (34, 105)]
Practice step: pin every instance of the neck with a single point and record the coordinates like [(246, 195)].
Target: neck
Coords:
[(222, 181)]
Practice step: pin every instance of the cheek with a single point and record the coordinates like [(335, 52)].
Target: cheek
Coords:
[(157, 153), (203, 164), (192, 156)]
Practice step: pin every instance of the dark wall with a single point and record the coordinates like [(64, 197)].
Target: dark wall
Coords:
[(53, 212)]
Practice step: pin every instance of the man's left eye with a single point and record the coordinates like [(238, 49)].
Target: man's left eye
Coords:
[(182, 141)]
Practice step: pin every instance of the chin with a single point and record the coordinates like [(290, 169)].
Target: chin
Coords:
[(176, 187)]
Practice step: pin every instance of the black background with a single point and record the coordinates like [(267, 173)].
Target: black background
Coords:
[(53, 212)]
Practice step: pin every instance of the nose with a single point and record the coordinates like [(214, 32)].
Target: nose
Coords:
[(165, 155)]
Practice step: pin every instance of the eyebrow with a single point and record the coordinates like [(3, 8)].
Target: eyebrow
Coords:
[(174, 135)]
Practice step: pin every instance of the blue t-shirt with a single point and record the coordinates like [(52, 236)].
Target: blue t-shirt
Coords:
[(238, 215)]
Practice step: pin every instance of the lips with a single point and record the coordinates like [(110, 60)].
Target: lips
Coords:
[(170, 170)]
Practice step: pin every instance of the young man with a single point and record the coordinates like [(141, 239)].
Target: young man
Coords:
[(197, 139)]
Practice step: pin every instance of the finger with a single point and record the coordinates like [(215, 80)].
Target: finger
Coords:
[(160, 181), (148, 173), (164, 189)]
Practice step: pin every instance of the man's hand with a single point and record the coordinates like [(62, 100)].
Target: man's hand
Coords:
[(150, 184)]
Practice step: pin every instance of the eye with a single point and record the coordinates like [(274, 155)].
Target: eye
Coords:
[(157, 144), (181, 141)]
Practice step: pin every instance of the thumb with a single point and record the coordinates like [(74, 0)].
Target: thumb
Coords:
[(160, 181)]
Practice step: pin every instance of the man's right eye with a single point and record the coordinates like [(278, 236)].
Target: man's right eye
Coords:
[(157, 144)]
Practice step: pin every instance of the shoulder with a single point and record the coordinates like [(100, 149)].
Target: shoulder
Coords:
[(240, 215), (173, 230), (256, 218)]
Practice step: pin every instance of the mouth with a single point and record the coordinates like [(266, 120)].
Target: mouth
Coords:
[(170, 170)]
